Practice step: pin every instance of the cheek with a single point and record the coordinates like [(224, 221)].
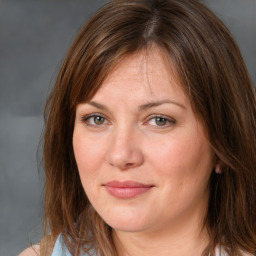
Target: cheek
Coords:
[(89, 154), (89, 157), (183, 158), (184, 168)]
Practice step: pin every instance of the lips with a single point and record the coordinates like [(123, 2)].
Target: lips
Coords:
[(126, 189)]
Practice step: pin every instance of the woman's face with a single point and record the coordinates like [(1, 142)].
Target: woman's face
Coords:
[(143, 157)]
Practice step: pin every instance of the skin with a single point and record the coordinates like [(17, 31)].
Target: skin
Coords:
[(125, 141), (31, 251)]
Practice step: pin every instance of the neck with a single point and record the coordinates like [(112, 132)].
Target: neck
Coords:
[(177, 240)]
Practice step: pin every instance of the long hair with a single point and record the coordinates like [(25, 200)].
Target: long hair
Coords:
[(222, 96)]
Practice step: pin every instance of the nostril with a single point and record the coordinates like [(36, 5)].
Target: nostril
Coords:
[(129, 165)]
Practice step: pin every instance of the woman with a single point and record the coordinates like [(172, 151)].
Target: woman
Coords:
[(150, 143)]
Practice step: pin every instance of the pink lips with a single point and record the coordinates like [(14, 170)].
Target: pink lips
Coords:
[(126, 189)]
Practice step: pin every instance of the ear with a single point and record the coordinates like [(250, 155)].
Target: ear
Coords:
[(218, 168)]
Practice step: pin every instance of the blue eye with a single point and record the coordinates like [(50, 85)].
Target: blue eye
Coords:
[(94, 119)]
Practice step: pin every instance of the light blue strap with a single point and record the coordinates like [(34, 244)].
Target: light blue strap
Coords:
[(60, 248)]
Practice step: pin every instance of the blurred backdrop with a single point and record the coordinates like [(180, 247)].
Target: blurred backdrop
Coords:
[(34, 37)]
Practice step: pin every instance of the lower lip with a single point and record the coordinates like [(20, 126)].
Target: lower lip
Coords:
[(126, 192)]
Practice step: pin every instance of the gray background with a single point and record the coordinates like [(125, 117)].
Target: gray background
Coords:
[(34, 37)]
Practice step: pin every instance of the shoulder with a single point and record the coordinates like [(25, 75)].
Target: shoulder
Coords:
[(33, 250)]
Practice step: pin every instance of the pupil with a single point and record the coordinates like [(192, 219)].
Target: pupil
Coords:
[(160, 121), (98, 120)]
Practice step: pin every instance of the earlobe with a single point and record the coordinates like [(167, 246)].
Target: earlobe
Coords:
[(218, 166), (218, 169)]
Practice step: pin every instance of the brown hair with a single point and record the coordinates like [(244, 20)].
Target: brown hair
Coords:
[(216, 80)]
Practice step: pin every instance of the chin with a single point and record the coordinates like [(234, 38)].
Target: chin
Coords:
[(127, 222), (127, 215), (128, 227)]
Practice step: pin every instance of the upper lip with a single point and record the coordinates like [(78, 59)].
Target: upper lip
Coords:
[(127, 184)]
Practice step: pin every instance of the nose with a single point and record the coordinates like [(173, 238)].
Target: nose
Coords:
[(125, 149)]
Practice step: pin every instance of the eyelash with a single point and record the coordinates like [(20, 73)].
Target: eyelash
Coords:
[(168, 121)]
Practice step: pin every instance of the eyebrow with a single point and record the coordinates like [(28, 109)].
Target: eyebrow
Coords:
[(149, 105), (97, 105), (141, 108)]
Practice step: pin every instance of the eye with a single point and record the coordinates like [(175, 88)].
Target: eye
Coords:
[(98, 120), (161, 121), (94, 120)]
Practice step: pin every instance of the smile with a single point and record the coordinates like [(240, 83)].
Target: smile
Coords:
[(126, 189)]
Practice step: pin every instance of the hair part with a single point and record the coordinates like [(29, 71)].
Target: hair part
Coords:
[(215, 78)]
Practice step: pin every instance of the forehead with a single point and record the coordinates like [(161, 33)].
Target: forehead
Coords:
[(146, 73)]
